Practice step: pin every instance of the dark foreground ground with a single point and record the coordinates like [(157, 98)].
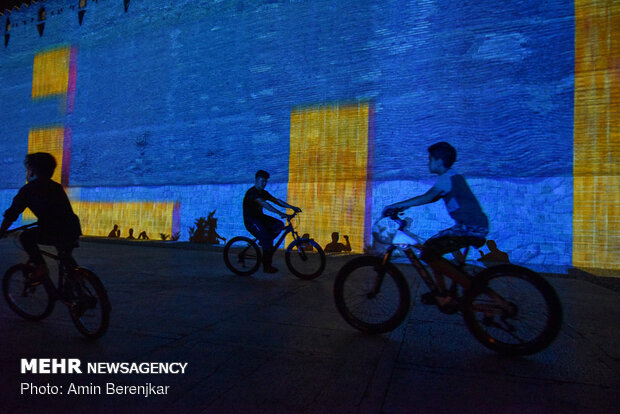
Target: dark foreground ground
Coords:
[(276, 344)]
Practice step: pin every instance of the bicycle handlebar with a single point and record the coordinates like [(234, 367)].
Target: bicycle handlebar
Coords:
[(20, 228), (393, 214)]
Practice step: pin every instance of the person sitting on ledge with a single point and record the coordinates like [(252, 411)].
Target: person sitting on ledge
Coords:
[(115, 232)]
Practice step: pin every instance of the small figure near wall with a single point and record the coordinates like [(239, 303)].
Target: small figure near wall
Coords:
[(130, 237), (335, 246), (212, 236), (143, 236), (306, 247), (115, 232), (494, 256)]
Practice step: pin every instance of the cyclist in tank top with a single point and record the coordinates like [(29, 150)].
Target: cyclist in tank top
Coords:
[(470, 221)]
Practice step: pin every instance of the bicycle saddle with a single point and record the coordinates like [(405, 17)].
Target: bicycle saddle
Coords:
[(476, 242)]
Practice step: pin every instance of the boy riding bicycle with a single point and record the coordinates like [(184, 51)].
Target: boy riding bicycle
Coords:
[(265, 228), (472, 225), (57, 224)]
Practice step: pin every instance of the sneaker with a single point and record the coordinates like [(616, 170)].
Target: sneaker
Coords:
[(270, 269)]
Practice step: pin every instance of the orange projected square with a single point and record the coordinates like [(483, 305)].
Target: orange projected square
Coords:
[(50, 140), (328, 171), (50, 74), (596, 181), (98, 218)]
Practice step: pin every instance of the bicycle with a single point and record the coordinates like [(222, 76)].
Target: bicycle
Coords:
[(304, 257), (77, 287), (510, 309)]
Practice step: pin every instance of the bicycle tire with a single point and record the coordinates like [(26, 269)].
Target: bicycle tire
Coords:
[(530, 322), (89, 305), (242, 256), (381, 313), (305, 264), (30, 301)]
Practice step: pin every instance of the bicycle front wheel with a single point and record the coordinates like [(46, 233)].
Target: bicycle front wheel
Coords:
[(88, 303), (242, 256), (372, 297), (29, 300), (512, 310), (305, 259)]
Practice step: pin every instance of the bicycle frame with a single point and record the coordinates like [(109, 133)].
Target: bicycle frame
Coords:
[(285, 231), (405, 241), (64, 266)]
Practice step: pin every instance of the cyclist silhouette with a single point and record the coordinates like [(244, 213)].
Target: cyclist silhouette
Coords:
[(58, 224), (265, 228), (472, 225)]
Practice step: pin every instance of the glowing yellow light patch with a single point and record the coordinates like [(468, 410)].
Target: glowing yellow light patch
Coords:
[(51, 73), (328, 171), (98, 218), (49, 140), (596, 191)]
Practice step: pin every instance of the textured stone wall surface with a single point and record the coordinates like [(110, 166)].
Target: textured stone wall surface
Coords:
[(185, 100)]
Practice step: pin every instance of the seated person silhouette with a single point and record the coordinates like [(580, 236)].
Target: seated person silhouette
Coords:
[(58, 224), (130, 237), (212, 235), (306, 247), (335, 247), (143, 236), (495, 255), (115, 232)]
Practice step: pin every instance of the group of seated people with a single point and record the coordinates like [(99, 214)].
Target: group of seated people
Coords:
[(116, 233)]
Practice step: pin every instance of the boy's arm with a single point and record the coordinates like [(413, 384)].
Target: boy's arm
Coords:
[(430, 196), (13, 212), (284, 204), (271, 208)]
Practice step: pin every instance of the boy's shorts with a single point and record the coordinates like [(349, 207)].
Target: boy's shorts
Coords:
[(453, 239)]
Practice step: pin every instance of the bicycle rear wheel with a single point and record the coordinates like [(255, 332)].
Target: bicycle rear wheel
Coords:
[(89, 305), (29, 300), (242, 256), (366, 302), (512, 310), (303, 262)]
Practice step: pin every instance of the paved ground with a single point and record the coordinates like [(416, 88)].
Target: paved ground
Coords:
[(276, 344)]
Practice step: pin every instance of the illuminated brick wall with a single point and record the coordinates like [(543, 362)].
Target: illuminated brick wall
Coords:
[(179, 103)]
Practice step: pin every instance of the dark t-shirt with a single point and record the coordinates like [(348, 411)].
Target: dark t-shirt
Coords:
[(49, 202), (251, 207)]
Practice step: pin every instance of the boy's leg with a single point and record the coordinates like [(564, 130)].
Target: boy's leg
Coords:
[(263, 233), (434, 249), (30, 240)]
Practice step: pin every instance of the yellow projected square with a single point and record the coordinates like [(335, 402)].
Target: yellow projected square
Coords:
[(328, 171), (50, 74), (596, 192), (98, 218), (48, 140)]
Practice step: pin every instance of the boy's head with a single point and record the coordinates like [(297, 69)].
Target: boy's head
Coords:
[(260, 179), (41, 164), (262, 174), (444, 152)]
